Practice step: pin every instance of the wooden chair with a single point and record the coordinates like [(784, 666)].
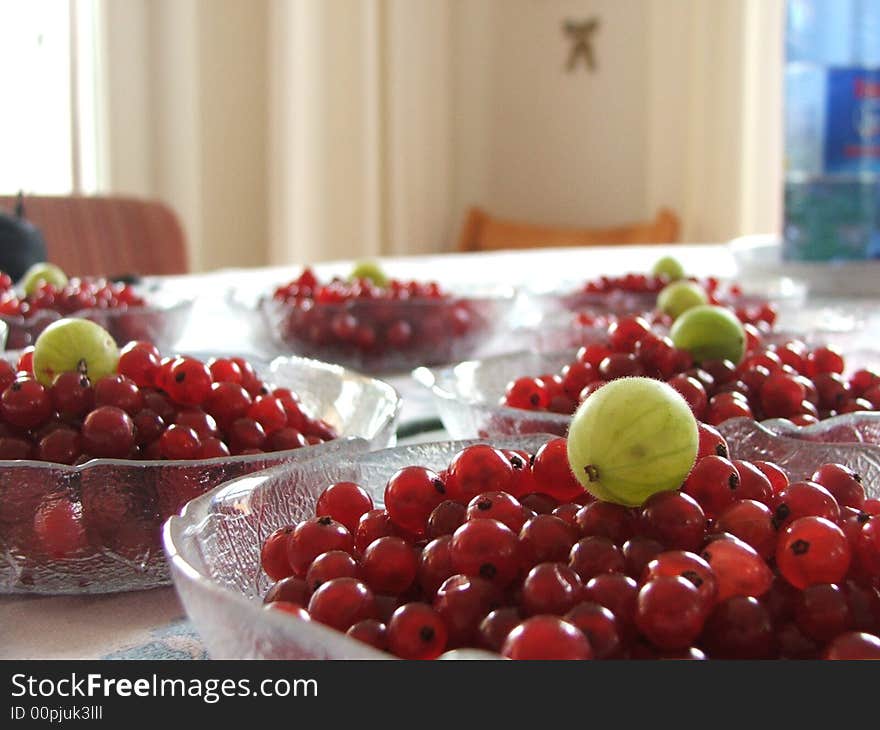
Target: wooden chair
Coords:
[(483, 232), (109, 236)]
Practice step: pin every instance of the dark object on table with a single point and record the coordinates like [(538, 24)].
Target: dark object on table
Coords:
[(21, 243), (93, 235), (126, 278)]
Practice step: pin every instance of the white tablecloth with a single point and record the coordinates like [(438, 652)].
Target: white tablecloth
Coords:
[(151, 624)]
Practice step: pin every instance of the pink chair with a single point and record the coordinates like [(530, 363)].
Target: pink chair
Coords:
[(109, 236)]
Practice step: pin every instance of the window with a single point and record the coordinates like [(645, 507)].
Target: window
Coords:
[(48, 76)]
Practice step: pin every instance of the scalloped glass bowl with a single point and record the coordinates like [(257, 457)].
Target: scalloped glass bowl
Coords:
[(123, 503), (161, 321), (436, 330), (572, 297), (213, 546), (467, 395)]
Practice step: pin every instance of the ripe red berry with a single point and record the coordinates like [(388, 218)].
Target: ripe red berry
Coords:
[(411, 495), (553, 474), (713, 482), (72, 395), (108, 432), (341, 603), (486, 549), (546, 637), (312, 537), (25, 404), (854, 645), (475, 470), (738, 569), (189, 381), (328, 566), (843, 484), (812, 550), (499, 506), (416, 631), (550, 588), (389, 566), (345, 502), (273, 555), (594, 555), (545, 539), (685, 565), (670, 612), (675, 520), (463, 602)]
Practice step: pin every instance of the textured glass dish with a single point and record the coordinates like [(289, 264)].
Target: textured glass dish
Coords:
[(433, 331), (852, 439), (759, 258), (160, 321), (213, 549), (782, 291), (122, 503), (467, 395)]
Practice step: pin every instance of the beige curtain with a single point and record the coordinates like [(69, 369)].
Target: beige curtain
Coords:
[(715, 115), (359, 127), (185, 109)]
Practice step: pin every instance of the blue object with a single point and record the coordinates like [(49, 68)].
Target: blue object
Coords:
[(832, 130)]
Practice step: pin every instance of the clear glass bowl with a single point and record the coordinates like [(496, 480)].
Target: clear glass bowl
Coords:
[(782, 291), (433, 331), (161, 321), (467, 395), (213, 546), (123, 503), (852, 439)]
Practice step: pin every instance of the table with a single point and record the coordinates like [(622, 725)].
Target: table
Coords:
[(152, 624)]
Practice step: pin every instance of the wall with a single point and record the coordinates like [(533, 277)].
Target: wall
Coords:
[(535, 142), (684, 111), (299, 130)]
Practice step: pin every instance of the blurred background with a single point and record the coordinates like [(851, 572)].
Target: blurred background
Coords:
[(291, 131)]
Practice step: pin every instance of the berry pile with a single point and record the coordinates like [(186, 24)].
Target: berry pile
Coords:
[(629, 292), (505, 551), (357, 316), (150, 408), (76, 295), (788, 380)]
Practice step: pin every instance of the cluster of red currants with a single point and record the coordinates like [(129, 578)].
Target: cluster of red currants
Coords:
[(630, 292), (788, 380), (504, 551), (76, 295), (152, 408), (360, 315)]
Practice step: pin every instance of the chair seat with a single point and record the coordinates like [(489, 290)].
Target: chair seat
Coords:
[(483, 232), (107, 236)]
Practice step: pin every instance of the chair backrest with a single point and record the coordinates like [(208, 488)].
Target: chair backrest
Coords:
[(109, 236), (483, 232)]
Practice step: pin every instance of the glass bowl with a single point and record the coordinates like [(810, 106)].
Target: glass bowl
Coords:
[(390, 336), (467, 395), (121, 504), (161, 321), (213, 546), (760, 258), (785, 293)]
